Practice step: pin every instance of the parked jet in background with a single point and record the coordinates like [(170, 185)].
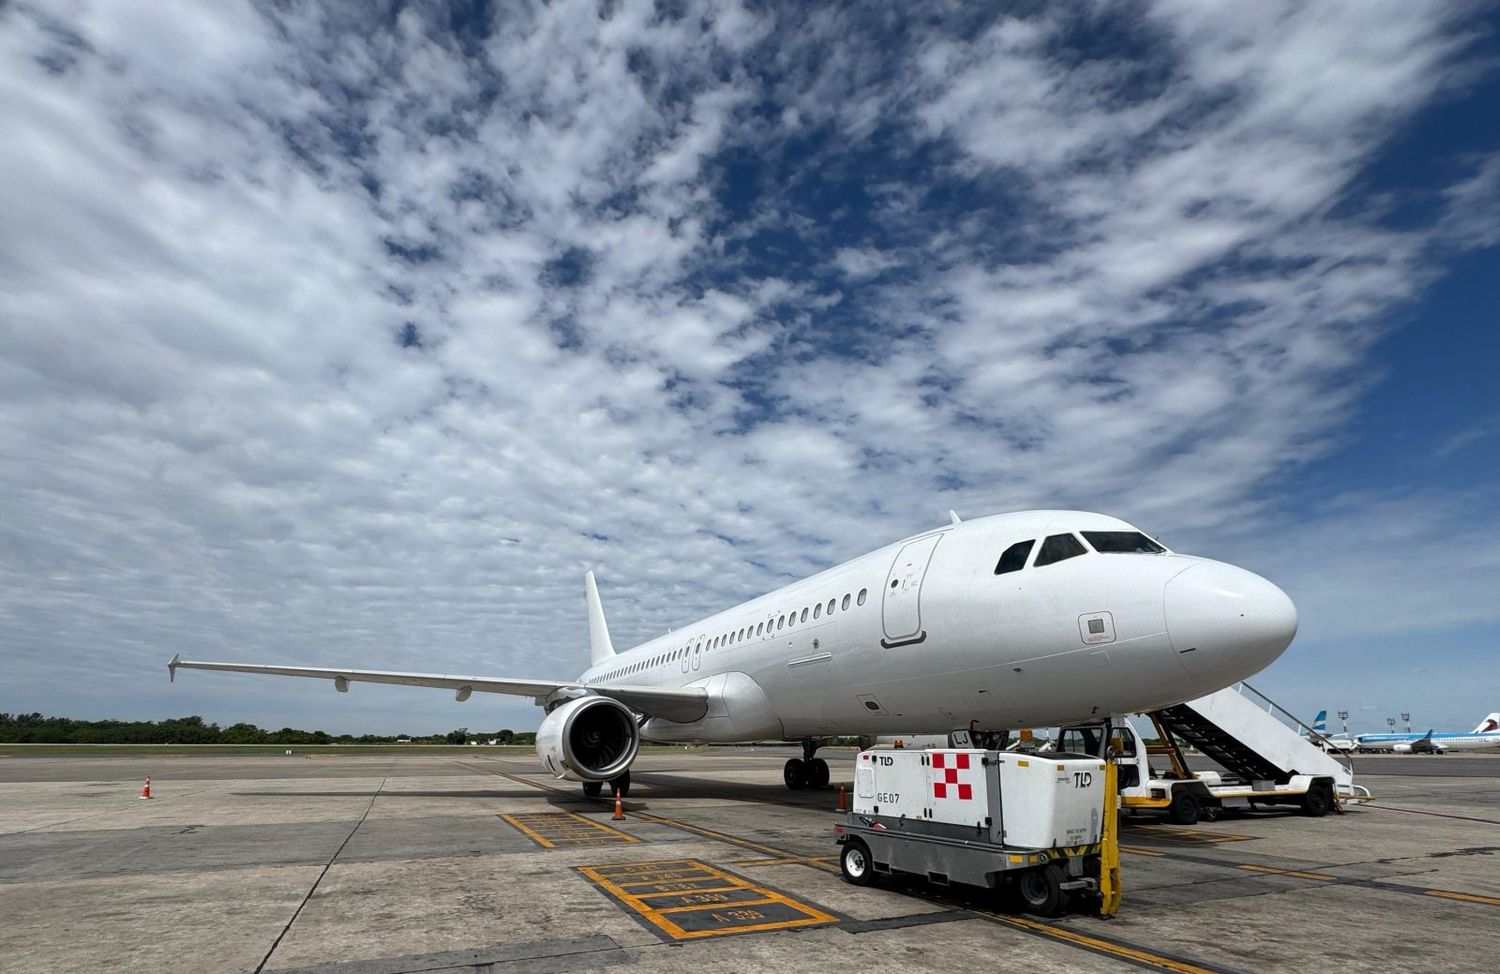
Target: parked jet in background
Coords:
[(1034, 619), (1485, 737)]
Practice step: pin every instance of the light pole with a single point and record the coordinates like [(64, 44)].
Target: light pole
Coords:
[(1344, 720), (1406, 719), (1391, 723)]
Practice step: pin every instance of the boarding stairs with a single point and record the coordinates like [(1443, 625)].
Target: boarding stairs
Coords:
[(1256, 740)]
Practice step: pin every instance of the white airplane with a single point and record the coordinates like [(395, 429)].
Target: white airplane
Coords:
[(1485, 737), (1033, 619)]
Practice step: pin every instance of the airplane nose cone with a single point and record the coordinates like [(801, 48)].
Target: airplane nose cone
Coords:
[(1226, 623)]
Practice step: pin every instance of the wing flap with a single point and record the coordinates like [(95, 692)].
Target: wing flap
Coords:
[(680, 704)]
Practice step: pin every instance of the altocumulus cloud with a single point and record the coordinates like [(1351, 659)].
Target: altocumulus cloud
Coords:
[(356, 333)]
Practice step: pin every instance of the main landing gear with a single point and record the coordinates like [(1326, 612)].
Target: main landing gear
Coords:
[(807, 771), (617, 786)]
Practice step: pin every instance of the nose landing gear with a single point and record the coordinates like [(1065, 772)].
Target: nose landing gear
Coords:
[(807, 771)]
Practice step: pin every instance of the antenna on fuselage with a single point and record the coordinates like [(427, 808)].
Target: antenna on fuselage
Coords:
[(600, 647), (953, 518)]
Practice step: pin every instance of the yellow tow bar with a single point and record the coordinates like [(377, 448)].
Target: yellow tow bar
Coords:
[(1109, 845)]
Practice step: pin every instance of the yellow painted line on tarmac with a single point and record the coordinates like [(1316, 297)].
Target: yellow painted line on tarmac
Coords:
[(1465, 897), (787, 861), (1286, 872), (1110, 948), (1141, 852), (701, 911), (551, 829)]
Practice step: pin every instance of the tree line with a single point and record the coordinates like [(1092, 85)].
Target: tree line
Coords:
[(40, 729)]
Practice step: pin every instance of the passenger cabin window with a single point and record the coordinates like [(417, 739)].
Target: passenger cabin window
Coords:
[(1059, 547), (845, 604), (1122, 543), (1014, 558), (831, 603), (862, 593), (803, 616)]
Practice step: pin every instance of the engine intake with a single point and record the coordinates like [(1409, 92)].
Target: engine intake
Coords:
[(588, 739)]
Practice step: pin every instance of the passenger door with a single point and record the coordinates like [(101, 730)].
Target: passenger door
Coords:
[(901, 604)]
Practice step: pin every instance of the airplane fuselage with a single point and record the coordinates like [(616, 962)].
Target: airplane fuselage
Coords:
[(927, 635), (1418, 742)]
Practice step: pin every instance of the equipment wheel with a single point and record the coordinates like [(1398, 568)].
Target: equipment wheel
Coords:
[(855, 863), (620, 786), (817, 773), (1317, 801), (593, 789), (1185, 809), (1040, 890), (795, 774)]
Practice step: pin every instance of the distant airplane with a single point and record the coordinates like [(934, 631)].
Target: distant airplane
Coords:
[(1484, 737), (1033, 619)]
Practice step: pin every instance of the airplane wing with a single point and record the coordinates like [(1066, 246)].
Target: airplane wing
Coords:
[(681, 704)]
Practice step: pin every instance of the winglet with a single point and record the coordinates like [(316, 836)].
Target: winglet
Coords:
[(172, 668), (600, 647), (953, 518)]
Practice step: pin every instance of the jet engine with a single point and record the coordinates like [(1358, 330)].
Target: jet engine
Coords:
[(588, 739)]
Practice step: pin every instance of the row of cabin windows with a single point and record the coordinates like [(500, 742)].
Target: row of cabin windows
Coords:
[(748, 632), (1061, 547)]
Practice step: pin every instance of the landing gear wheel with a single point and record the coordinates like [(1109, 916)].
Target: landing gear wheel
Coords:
[(817, 773), (855, 864), (1185, 809), (592, 789), (620, 786), (1317, 801), (795, 774), (1040, 890)]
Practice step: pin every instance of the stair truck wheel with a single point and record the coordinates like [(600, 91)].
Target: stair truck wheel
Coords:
[(1317, 801), (1185, 808), (795, 774), (855, 863), (1040, 890)]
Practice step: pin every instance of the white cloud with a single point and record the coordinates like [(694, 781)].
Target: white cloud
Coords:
[(1148, 300)]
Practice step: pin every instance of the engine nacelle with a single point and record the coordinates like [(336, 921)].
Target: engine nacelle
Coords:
[(588, 739)]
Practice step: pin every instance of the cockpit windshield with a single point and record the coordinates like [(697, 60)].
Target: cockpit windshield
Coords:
[(1121, 542)]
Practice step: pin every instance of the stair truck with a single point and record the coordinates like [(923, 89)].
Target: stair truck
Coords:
[(1265, 761), (1042, 825)]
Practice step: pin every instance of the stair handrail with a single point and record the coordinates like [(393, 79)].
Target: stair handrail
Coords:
[(1313, 737)]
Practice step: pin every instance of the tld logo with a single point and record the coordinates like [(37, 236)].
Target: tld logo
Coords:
[(1083, 779)]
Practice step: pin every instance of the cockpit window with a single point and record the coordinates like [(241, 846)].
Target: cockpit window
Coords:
[(1122, 542), (1014, 558), (1059, 547)]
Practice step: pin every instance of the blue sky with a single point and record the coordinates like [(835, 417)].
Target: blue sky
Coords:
[(355, 335)]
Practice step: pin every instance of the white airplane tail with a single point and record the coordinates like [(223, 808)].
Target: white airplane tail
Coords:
[(1490, 723), (600, 647)]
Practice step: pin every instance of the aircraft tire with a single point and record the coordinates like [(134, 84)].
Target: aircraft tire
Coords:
[(818, 773), (620, 785), (794, 773), (593, 789), (1185, 809)]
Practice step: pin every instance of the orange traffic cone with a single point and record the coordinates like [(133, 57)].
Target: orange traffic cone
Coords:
[(619, 815), (146, 789), (843, 805)]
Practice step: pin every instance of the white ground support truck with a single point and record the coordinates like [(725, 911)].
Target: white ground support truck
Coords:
[(1265, 760), (1041, 824)]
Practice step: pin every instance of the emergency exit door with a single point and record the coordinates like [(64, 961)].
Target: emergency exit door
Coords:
[(901, 606)]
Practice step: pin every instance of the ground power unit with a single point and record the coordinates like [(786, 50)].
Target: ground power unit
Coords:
[(1033, 823)]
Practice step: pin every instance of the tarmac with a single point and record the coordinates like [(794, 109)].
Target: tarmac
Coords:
[(349, 864)]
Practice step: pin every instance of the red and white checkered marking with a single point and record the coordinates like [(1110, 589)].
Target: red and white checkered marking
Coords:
[(964, 790)]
